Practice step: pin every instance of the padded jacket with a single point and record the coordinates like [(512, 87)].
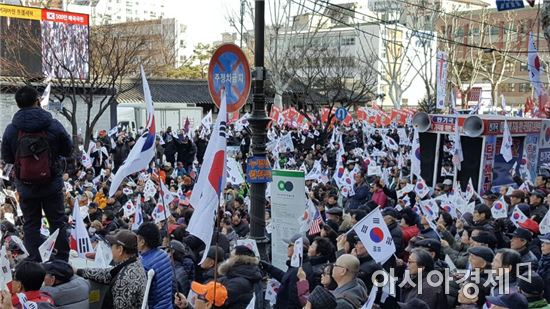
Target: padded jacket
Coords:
[(161, 292)]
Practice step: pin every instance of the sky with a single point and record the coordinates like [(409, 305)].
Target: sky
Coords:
[(205, 19)]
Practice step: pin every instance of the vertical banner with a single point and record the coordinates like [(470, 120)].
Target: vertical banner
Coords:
[(488, 160), (288, 200), (441, 79)]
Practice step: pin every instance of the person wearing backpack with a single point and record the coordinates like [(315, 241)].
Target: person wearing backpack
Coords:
[(34, 143)]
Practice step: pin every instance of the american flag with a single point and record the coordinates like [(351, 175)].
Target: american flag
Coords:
[(315, 225)]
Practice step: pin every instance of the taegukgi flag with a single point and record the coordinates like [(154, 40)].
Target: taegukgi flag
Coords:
[(375, 236), (143, 150), (205, 197)]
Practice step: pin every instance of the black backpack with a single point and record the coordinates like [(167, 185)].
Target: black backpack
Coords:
[(33, 158)]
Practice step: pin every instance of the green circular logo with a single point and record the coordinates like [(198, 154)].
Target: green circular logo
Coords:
[(281, 185)]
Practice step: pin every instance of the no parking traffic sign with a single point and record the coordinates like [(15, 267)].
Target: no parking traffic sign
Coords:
[(229, 69)]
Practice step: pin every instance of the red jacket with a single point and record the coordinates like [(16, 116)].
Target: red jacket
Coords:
[(380, 198), (409, 232)]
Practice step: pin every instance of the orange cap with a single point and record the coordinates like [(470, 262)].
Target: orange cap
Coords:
[(207, 290)]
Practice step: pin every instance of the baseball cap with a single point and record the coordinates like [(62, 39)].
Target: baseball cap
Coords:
[(60, 269), (124, 238), (533, 286), (522, 233), (447, 182), (545, 238), (530, 225), (512, 301), (213, 292), (295, 237)]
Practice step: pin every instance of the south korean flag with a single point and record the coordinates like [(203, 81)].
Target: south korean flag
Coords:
[(375, 236)]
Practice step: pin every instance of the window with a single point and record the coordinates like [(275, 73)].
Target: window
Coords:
[(495, 30), (460, 32), (348, 41), (509, 66), (523, 67), (524, 87), (509, 87)]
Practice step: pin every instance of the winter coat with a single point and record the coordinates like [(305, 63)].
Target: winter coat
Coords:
[(287, 296), (487, 225), (186, 152), (161, 294), (380, 198), (318, 264), (433, 296), (35, 120), (397, 235), (184, 272), (120, 153), (538, 212), (70, 295), (544, 271), (362, 195), (408, 233), (529, 257), (367, 267), (127, 283), (240, 274), (351, 295)]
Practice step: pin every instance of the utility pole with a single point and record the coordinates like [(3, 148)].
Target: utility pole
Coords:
[(242, 22), (258, 124)]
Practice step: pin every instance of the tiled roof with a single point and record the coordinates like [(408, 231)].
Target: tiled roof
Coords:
[(168, 91)]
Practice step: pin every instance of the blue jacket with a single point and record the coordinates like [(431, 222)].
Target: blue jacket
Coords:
[(161, 292), (36, 119)]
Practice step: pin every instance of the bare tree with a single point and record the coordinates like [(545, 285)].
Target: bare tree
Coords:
[(87, 81), (332, 75), (464, 63)]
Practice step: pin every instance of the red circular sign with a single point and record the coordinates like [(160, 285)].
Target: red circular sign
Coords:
[(229, 69)]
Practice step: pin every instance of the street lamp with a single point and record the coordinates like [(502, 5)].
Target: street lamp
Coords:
[(258, 125)]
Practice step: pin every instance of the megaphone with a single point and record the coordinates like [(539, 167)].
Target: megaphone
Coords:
[(421, 121), (473, 126)]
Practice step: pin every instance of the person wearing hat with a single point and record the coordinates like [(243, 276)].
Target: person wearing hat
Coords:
[(484, 239), (391, 217), (210, 295), (536, 203), (531, 285), (126, 279), (241, 275), (447, 186), (67, 291), (183, 261), (482, 218), (508, 301), (543, 268), (208, 266), (520, 242), (287, 296), (334, 217)]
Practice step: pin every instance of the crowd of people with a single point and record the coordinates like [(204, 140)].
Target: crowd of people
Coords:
[(447, 260)]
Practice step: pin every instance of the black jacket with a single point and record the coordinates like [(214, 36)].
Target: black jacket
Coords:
[(397, 235), (240, 275), (367, 267), (544, 271), (36, 119), (186, 152), (287, 296)]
